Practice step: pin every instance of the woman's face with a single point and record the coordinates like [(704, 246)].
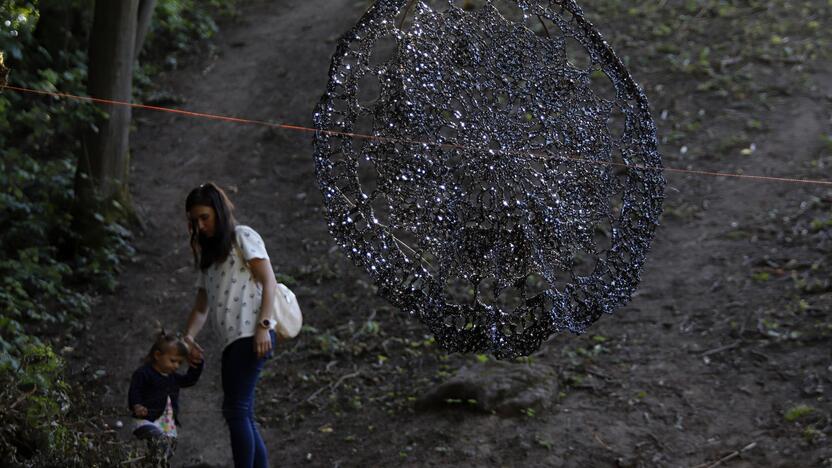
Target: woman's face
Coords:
[(204, 218)]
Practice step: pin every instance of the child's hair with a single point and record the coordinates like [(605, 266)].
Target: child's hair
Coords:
[(164, 343)]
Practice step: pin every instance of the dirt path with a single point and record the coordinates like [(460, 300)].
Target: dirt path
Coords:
[(700, 365), (267, 67)]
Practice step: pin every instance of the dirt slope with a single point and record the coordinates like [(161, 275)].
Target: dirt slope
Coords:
[(263, 60), (708, 359)]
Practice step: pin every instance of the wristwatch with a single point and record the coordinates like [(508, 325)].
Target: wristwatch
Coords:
[(265, 323)]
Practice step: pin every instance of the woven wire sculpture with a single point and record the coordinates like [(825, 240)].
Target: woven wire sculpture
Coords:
[(489, 182)]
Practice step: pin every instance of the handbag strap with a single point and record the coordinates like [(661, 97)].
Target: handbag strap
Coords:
[(245, 264), (240, 253)]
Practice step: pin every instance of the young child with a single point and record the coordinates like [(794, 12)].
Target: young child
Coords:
[(154, 394)]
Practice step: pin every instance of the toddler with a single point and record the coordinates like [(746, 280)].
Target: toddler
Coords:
[(154, 394)]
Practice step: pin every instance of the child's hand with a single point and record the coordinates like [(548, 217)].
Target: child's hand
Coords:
[(139, 411), (195, 351), (195, 359)]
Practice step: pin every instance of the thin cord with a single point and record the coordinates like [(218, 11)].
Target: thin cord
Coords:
[(299, 128)]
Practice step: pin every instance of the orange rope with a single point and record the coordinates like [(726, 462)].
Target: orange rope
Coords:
[(299, 128)]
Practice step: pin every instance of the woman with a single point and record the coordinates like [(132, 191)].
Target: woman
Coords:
[(236, 288)]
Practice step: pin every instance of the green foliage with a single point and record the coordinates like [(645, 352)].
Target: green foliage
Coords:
[(797, 412), (41, 264), (39, 143), (16, 26), (178, 27), (182, 21), (40, 426), (48, 278)]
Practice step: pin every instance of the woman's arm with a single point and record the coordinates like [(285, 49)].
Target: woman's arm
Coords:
[(196, 320), (261, 270)]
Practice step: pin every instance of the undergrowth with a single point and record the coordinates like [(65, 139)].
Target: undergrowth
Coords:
[(48, 279)]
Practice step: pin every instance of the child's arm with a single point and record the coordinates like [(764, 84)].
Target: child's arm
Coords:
[(135, 396), (190, 378)]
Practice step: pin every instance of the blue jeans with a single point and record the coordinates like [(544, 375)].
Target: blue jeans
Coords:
[(240, 371)]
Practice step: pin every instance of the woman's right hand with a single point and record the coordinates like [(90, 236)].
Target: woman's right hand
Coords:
[(195, 351)]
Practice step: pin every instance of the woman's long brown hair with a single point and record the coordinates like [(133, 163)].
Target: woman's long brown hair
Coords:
[(208, 250)]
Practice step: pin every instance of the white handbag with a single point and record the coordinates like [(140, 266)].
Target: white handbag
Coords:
[(288, 317)]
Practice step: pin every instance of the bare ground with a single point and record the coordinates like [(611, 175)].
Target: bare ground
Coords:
[(727, 336)]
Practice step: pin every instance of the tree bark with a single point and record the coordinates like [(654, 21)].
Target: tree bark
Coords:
[(146, 8), (103, 166)]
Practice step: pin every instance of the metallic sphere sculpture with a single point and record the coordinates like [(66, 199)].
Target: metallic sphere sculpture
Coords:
[(500, 184)]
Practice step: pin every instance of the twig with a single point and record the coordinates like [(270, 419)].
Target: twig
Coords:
[(759, 355), (600, 374), (603, 444), (361, 330), (105, 431), (342, 379), (728, 457), (656, 441), (133, 460), (23, 397), (332, 388), (310, 397), (721, 349), (770, 59)]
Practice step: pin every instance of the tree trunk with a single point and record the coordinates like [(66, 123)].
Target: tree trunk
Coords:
[(146, 8), (103, 166)]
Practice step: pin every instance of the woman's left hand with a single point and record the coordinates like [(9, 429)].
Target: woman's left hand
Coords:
[(262, 342)]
